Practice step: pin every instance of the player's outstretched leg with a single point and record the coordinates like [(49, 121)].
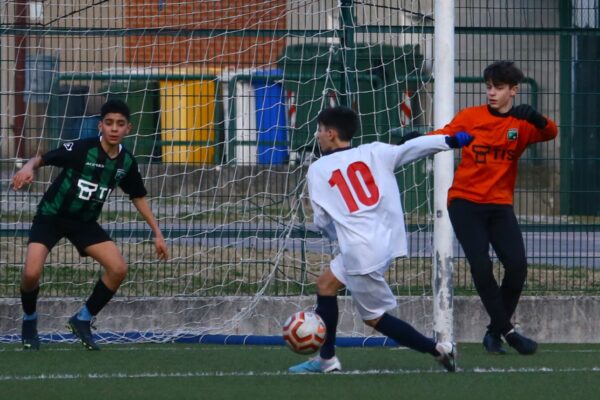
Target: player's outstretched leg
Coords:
[(82, 329), (448, 354), (29, 333), (522, 344), (492, 342), (317, 365), (405, 335)]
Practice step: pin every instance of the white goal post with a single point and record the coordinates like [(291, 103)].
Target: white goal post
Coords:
[(443, 170)]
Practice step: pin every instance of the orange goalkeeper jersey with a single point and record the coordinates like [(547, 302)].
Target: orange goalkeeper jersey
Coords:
[(488, 169)]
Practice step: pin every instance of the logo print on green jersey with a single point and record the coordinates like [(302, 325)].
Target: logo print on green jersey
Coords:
[(120, 174), (89, 188)]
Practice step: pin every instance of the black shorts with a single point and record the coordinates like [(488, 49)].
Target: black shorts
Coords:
[(48, 230)]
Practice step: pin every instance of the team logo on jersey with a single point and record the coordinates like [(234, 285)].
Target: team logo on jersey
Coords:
[(120, 174), (512, 134), (68, 146), (87, 190), (483, 153)]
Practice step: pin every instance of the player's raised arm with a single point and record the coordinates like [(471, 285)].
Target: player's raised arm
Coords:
[(144, 209), (24, 176), (424, 146)]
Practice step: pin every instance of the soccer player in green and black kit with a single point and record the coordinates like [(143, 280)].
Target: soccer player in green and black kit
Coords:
[(70, 208)]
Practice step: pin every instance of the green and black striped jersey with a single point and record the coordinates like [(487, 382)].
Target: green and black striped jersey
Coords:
[(88, 177)]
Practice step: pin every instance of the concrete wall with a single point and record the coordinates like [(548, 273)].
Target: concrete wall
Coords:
[(556, 319)]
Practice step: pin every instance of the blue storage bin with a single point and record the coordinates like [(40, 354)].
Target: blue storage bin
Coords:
[(89, 127), (271, 126)]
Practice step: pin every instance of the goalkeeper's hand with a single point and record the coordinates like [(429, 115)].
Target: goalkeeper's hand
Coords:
[(162, 251), (528, 113), (409, 136), (22, 178), (460, 139)]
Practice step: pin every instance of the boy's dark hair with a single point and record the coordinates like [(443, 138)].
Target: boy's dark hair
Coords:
[(342, 119), (503, 72), (115, 106)]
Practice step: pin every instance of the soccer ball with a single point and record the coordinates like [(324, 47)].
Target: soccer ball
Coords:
[(304, 332)]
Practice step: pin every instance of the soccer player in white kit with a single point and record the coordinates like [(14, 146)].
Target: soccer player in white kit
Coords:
[(356, 201)]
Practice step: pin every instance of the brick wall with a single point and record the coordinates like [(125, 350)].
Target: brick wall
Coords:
[(241, 49)]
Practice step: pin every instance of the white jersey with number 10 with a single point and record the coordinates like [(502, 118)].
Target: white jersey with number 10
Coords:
[(356, 199)]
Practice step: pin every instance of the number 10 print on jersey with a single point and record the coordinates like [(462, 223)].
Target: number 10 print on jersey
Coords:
[(362, 183)]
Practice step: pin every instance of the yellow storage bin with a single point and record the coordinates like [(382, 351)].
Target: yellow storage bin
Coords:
[(188, 121)]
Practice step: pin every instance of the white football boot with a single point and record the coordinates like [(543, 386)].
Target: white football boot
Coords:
[(448, 354), (317, 365)]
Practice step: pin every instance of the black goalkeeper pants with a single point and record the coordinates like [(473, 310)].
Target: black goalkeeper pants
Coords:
[(476, 227)]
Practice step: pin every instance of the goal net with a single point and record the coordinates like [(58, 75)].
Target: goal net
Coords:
[(224, 96)]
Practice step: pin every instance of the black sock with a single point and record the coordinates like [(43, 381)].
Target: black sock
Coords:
[(99, 298), (29, 300), (405, 335), (327, 309)]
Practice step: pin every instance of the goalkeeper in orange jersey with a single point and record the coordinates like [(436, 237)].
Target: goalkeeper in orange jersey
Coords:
[(480, 200)]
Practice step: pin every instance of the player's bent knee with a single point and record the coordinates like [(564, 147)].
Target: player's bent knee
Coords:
[(514, 283), (372, 322), (517, 269), (326, 287), (30, 280), (117, 272), (483, 276)]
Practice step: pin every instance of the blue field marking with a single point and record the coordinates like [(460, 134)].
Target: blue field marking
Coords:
[(155, 337)]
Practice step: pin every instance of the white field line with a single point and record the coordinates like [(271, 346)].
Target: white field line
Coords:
[(217, 374), (215, 348), (111, 348), (571, 351)]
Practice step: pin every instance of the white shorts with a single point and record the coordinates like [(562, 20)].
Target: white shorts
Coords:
[(370, 293)]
